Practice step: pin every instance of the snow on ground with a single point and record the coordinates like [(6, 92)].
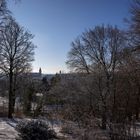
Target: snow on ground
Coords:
[(7, 130), (3, 101)]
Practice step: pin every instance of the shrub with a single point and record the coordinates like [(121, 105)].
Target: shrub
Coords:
[(35, 130)]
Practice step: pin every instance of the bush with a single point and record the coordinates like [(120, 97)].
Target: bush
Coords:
[(35, 130)]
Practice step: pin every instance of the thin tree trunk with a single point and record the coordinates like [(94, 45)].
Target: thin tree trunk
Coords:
[(14, 90), (137, 104), (10, 107), (104, 118)]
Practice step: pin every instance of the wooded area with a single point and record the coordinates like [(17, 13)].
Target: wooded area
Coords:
[(101, 91)]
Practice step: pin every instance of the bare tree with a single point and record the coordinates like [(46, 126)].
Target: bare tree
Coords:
[(131, 55), (135, 16), (134, 24), (130, 67), (77, 59), (96, 51), (16, 54)]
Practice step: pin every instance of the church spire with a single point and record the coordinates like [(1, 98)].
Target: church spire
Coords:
[(40, 71)]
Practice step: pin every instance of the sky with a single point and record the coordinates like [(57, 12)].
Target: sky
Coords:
[(56, 23)]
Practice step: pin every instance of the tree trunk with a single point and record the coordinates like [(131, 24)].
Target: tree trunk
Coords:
[(14, 91), (104, 120), (104, 117), (137, 104), (137, 113), (10, 107)]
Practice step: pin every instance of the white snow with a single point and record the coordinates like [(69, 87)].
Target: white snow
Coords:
[(7, 130)]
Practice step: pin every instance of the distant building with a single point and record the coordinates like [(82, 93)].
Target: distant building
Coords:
[(40, 71), (37, 75)]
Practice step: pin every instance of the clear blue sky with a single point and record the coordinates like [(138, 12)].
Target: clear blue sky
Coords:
[(56, 23)]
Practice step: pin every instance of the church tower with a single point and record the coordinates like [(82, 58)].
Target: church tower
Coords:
[(40, 72)]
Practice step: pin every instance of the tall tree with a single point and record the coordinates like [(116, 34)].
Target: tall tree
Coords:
[(4, 12), (134, 22), (97, 52), (131, 56), (135, 16), (16, 54)]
